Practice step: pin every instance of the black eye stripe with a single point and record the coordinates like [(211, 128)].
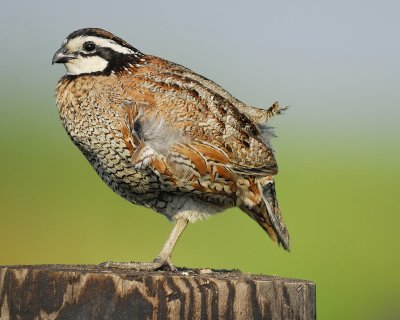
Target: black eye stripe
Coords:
[(91, 54), (102, 52)]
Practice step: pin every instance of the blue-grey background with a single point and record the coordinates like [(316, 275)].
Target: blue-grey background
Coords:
[(335, 63)]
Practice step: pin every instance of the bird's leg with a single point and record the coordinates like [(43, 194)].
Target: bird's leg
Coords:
[(164, 257)]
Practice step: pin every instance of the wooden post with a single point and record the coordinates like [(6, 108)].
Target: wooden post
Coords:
[(89, 292)]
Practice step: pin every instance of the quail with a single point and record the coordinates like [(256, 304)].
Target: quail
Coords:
[(166, 138)]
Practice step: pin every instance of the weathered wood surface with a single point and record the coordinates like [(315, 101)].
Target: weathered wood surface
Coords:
[(90, 292)]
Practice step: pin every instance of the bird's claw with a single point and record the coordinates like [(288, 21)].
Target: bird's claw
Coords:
[(144, 266)]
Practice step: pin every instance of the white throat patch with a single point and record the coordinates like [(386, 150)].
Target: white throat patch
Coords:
[(86, 65)]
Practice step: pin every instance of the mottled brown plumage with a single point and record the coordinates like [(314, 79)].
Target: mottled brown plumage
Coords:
[(165, 137)]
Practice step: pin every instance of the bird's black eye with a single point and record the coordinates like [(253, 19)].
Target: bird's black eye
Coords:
[(89, 46)]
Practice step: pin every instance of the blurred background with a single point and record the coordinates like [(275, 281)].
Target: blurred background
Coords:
[(336, 64)]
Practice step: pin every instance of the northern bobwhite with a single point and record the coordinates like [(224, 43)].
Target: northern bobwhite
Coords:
[(166, 138)]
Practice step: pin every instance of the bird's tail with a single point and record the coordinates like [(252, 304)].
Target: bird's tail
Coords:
[(267, 212), (274, 214)]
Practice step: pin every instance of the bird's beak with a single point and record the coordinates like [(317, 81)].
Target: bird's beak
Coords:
[(61, 56)]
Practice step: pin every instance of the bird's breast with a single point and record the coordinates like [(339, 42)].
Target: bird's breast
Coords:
[(94, 127)]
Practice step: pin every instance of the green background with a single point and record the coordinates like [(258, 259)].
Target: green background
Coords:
[(336, 65)]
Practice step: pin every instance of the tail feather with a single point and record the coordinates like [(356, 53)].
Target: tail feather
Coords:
[(260, 203), (274, 214)]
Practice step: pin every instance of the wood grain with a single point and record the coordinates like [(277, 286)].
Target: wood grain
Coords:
[(89, 292)]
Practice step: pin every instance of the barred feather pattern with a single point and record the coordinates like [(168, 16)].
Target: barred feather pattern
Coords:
[(166, 138)]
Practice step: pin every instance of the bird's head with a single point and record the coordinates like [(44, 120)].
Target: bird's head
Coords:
[(93, 50)]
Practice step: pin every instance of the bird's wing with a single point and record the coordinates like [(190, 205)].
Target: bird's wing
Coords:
[(187, 165), (203, 118)]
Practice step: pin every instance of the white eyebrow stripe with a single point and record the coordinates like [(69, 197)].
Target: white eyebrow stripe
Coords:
[(76, 43)]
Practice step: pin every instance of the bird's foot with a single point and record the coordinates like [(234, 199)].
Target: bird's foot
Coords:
[(157, 264)]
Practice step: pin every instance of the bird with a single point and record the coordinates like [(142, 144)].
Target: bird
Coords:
[(166, 138)]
